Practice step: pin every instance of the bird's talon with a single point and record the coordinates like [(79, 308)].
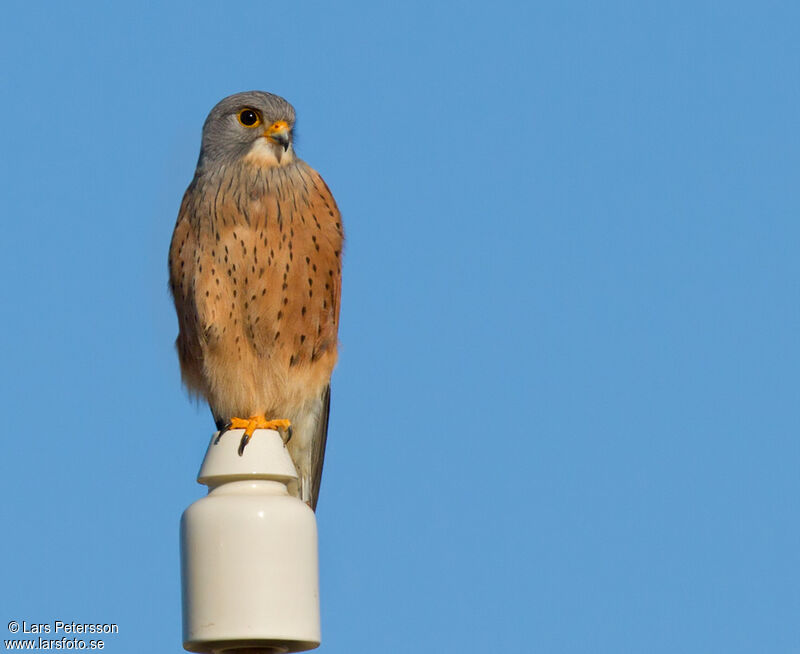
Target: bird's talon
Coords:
[(243, 443), (224, 429)]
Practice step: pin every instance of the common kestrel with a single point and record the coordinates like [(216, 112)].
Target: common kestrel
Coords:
[(255, 273)]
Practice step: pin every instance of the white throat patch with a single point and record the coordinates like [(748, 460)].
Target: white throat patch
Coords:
[(263, 154)]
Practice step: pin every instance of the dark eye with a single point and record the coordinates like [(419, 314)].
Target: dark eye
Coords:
[(249, 118)]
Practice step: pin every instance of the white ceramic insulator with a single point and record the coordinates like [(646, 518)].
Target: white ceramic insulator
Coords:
[(249, 559)]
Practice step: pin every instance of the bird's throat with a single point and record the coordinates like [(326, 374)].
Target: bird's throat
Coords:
[(267, 155)]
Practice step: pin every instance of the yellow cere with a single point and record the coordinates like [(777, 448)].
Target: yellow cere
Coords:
[(278, 126)]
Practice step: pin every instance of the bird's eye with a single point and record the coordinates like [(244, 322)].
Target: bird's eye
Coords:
[(249, 118)]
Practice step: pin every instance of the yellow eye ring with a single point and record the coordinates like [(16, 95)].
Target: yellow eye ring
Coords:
[(249, 117)]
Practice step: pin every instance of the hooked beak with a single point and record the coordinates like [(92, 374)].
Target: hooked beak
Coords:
[(279, 133)]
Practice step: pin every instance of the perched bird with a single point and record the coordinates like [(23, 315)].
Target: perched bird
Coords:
[(255, 273)]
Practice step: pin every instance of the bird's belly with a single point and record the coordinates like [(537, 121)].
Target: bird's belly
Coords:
[(265, 353)]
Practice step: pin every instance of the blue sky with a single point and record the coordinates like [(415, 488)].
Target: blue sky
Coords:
[(565, 417)]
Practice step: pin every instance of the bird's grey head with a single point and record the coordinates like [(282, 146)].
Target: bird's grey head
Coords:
[(254, 126)]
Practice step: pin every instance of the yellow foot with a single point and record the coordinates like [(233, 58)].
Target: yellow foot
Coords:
[(257, 422)]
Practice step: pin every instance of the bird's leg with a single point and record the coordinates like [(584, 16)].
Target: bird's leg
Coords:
[(283, 426)]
